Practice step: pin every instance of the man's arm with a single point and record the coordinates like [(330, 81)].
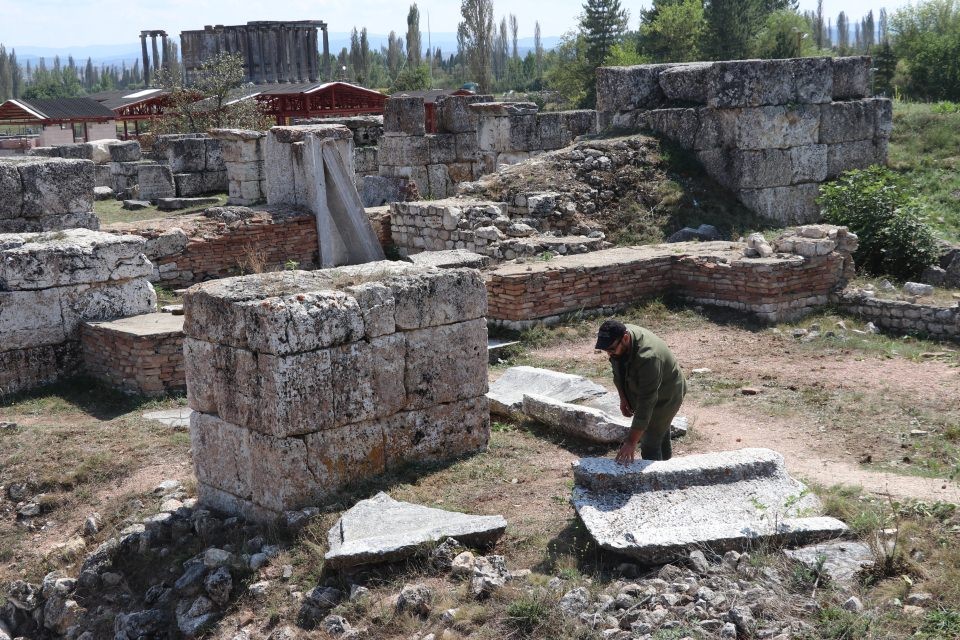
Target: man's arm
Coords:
[(645, 389)]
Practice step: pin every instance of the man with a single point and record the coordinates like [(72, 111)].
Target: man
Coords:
[(650, 384)]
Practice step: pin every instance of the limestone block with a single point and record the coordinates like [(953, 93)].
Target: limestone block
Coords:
[(439, 179), (761, 168), (214, 181), (438, 298), (126, 169), (11, 191), (851, 77), (588, 423), (365, 159), (441, 148), (30, 319), (855, 155), (629, 88), (506, 393), (467, 146), (436, 433), (456, 371), (679, 125), (156, 181), (77, 256), (718, 128), (214, 153), (370, 379), (796, 204), (404, 114), (754, 83), (82, 151), (848, 121), (493, 133), (377, 306), (376, 191), (280, 476), (103, 176), (778, 127), (106, 301), (454, 114), (524, 133), (460, 172), (686, 82), (884, 117), (186, 155), (402, 151), (56, 187), (503, 109), (550, 130), (812, 80), (809, 163), (221, 454), (359, 538), (345, 455), (188, 185), (580, 122), (57, 222), (245, 171), (243, 150), (125, 151)]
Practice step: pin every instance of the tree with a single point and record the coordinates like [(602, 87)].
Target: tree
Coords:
[(475, 39), (413, 36), (731, 25), (538, 49), (886, 64), (673, 30), (567, 69), (603, 25), (514, 27), (784, 34), (843, 34), (818, 25), (394, 55)]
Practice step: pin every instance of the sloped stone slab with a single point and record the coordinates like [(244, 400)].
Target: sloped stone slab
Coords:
[(506, 394), (382, 529), (178, 418), (841, 560), (583, 422), (659, 511), (609, 403)]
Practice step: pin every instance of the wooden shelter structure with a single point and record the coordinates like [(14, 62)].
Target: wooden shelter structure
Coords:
[(135, 107), (61, 120), (316, 100)]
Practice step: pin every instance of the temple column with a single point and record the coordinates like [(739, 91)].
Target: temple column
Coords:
[(326, 54), (146, 59), (156, 54), (312, 53), (164, 57), (280, 48)]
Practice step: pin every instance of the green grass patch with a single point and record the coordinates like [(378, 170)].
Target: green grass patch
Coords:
[(110, 211)]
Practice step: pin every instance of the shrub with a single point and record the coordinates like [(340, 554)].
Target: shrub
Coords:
[(882, 209)]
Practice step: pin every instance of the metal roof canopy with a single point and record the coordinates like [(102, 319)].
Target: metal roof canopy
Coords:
[(145, 104), (57, 111), (284, 101)]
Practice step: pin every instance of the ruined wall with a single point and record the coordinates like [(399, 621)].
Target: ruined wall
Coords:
[(769, 130), (243, 160), (50, 283), (811, 263), (114, 160), (46, 194), (303, 383), (142, 354), (196, 163), (901, 316), (367, 131)]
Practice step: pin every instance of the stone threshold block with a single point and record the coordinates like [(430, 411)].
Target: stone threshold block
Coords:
[(140, 354), (659, 511), (507, 392), (381, 529)]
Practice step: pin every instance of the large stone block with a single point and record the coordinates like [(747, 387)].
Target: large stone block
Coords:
[(778, 127), (524, 133), (280, 475), (404, 114), (30, 319), (454, 114), (439, 179), (506, 393), (56, 187), (580, 122), (188, 185), (629, 88), (77, 256), (186, 155), (848, 121), (468, 146), (687, 82), (851, 77), (221, 454), (861, 154), (796, 204), (214, 181), (755, 83), (125, 151), (11, 191), (106, 301), (493, 133), (717, 128), (550, 130), (679, 125), (345, 455), (403, 151), (808, 163), (215, 160), (754, 169), (437, 433), (442, 148), (437, 298), (369, 379), (445, 364), (156, 181)]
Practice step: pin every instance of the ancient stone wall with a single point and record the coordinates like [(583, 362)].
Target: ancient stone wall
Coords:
[(223, 242), (46, 194), (367, 131), (110, 158), (769, 130), (50, 283), (900, 316), (141, 354), (780, 287), (196, 163), (243, 159), (303, 383)]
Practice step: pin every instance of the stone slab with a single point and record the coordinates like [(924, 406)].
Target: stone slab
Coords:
[(55, 187), (582, 422), (74, 256), (146, 324), (381, 529), (453, 258), (178, 418), (659, 511), (841, 560), (175, 204), (506, 393)]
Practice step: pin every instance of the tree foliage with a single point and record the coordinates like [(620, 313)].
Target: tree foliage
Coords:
[(475, 39), (602, 25), (672, 30), (731, 26), (785, 34), (413, 37)]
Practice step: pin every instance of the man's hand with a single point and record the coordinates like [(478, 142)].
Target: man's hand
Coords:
[(625, 408), (625, 455)]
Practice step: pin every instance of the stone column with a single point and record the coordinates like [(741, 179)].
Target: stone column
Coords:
[(156, 54), (163, 37), (326, 53), (146, 59), (278, 60), (301, 56), (293, 73), (261, 59), (312, 53)]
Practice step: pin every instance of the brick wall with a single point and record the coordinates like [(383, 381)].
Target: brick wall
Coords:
[(901, 316), (715, 273), (142, 355)]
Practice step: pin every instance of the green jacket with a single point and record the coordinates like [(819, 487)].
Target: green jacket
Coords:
[(648, 375)]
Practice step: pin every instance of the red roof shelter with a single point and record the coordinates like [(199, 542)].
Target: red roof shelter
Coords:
[(287, 101)]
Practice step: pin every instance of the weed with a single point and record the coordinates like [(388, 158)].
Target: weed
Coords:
[(529, 612), (835, 623), (291, 265)]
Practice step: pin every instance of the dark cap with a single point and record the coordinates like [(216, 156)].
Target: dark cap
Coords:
[(610, 331)]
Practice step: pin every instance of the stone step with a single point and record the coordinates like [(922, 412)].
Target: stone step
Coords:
[(506, 393), (726, 467)]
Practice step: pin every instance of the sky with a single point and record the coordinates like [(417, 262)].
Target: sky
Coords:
[(76, 23)]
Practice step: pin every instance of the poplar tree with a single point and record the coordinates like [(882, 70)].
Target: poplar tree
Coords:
[(731, 25), (413, 36), (475, 39)]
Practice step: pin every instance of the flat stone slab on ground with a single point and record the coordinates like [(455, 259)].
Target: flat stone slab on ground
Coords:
[(450, 259), (506, 394), (178, 418), (173, 204), (147, 324), (381, 529), (136, 205), (659, 511), (841, 560)]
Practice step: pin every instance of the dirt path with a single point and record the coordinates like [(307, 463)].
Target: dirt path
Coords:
[(817, 446)]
